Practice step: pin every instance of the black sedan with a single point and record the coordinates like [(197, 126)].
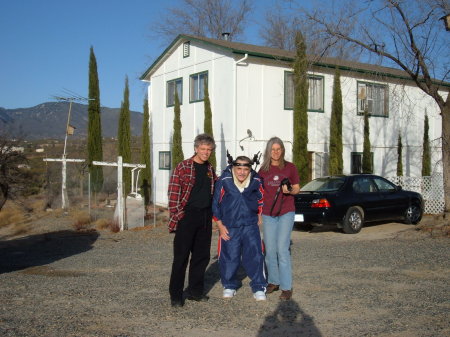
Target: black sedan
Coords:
[(349, 201)]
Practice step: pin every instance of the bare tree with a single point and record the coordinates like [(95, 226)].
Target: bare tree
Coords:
[(207, 18), (403, 33), (12, 176), (281, 23)]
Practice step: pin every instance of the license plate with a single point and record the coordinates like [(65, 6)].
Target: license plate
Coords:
[(299, 218)]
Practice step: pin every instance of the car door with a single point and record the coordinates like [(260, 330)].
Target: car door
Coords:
[(368, 197), (394, 202)]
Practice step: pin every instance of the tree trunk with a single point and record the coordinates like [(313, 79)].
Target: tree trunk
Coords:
[(445, 114)]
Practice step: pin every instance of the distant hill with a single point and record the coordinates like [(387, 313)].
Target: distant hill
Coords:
[(48, 120)]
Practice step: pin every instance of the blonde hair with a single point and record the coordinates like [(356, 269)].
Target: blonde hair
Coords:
[(267, 159)]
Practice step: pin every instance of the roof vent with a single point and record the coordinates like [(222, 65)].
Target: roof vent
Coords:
[(225, 36)]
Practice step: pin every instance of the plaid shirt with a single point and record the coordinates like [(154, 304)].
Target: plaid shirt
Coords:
[(180, 187)]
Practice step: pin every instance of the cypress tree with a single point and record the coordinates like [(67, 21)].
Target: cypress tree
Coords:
[(94, 141), (177, 145), (367, 156), (336, 162), (399, 156), (146, 174), (426, 156), (300, 113), (207, 124), (124, 138)]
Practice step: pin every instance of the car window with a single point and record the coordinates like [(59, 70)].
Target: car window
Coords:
[(363, 185), (324, 184), (384, 185)]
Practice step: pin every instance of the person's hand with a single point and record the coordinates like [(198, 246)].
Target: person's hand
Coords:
[(285, 189), (224, 233)]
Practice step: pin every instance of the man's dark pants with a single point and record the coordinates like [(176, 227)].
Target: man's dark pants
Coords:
[(193, 237)]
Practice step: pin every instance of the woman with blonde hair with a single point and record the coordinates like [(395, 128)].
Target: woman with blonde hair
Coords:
[(281, 182)]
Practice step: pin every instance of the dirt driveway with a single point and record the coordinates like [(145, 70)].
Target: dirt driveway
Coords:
[(388, 280)]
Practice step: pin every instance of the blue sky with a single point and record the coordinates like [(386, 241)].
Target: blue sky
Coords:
[(45, 48)]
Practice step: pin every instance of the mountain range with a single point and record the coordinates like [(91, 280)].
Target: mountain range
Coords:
[(48, 121)]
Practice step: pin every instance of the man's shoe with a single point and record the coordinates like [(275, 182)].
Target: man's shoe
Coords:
[(176, 303), (271, 288), (286, 295), (228, 293), (201, 298), (259, 296)]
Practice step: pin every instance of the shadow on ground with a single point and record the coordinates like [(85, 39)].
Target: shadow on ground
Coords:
[(42, 249), (288, 320)]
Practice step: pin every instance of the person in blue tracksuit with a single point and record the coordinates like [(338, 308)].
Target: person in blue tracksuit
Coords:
[(237, 208)]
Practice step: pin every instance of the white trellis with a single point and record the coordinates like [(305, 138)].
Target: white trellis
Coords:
[(120, 199), (431, 188)]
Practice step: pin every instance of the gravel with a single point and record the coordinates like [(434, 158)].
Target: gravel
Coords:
[(388, 280)]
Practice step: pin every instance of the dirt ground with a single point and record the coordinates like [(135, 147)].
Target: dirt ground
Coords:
[(388, 280)]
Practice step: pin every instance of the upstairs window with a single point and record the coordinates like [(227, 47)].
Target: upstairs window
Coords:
[(373, 98), (172, 85), (197, 86), (315, 92)]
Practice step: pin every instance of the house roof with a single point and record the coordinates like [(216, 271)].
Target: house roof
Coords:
[(282, 55)]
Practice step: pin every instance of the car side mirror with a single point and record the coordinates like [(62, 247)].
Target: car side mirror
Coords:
[(399, 188)]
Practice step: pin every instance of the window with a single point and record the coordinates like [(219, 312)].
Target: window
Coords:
[(384, 185), (164, 160), (315, 92), (363, 185), (373, 98), (186, 49), (356, 162), (171, 85), (197, 86)]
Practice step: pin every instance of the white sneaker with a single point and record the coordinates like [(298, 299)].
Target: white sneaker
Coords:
[(259, 296), (228, 293)]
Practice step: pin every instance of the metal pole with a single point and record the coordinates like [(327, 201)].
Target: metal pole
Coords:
[(120, 200)]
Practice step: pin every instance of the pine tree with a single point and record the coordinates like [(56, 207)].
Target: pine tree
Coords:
[(177, 145), (124, 138), (146, 175), (367, 155), (399, 156), (336, 162), (94, 141), (426, 156), (207, 124), (300, 114)]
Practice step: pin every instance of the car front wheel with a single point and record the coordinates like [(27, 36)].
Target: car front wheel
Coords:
[(413, 214), (353, 221)]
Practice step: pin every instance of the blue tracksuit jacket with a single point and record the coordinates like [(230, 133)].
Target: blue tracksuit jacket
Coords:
[(239, 213)]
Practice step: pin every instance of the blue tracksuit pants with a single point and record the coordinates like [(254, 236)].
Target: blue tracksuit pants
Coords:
[(244, 246)]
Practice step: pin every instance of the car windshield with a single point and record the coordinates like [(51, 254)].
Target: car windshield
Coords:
[(324, 184)]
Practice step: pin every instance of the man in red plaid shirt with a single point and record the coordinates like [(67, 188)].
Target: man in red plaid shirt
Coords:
[(190, 197)]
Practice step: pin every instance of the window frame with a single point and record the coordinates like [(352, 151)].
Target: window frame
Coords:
[(385, 102), (200, 90), (360, 154), (180, 94), (290, 74), (162, 164)]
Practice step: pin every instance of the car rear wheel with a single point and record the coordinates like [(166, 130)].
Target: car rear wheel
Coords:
[(413, 214), (353, 221)]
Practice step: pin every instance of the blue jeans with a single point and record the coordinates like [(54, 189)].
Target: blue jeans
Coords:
[(277, 239)]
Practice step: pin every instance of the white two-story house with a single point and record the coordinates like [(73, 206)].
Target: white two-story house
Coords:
[(251, 93)]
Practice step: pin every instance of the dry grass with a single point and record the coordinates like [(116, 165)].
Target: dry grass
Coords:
[(110, 224), (11, 214), (435, 226), (82, 220)]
